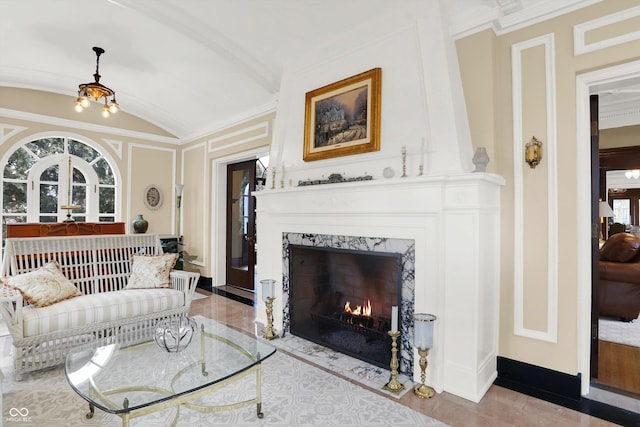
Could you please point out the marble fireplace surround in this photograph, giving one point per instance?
(367, 244)
(448, 224)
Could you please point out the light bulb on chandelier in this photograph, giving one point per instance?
(97, 91)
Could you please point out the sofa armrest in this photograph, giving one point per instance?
(628, 272)
(185, 281)
(11, 303)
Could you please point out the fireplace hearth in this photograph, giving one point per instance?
(343, 299)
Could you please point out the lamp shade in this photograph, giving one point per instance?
(605, 209)
(423, 330)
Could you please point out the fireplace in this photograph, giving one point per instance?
(343, 298)
(321, 272)
(445, 230)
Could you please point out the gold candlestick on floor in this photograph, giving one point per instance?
(422, 390)
(394, 385)
(423, 341)
(268, 332)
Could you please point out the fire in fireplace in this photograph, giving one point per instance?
(343, 299)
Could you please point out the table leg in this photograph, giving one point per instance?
(259, 390)
(92, 411)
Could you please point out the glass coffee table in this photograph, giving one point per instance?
(141, 379)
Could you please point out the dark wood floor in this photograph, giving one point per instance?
(619, 366)
(500, 407)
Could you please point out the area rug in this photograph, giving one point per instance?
(294, 394)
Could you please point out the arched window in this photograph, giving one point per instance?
(44, 175)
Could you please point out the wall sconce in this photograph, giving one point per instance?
(533, 152)
(179, 188)
(423, 341)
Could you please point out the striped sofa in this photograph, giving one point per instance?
(99, 267)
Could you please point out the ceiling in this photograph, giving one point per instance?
(194, 66)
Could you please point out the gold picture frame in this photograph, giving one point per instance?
(343, 118)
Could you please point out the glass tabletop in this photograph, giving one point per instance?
(119, 379)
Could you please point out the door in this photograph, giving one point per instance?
(241, 255)
(596, 191)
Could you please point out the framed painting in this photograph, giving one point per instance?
(343, 118)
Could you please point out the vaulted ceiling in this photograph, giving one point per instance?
(192, 66)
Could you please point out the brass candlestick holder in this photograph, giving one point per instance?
(273, 179)
(394, 385)
(268, 332)
(421, 170)
(422, 390)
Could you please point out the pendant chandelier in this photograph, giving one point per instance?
(97, 91)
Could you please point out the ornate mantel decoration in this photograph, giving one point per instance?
(334, 178)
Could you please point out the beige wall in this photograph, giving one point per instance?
(140, 153)
(627, 136)
(539, 289)
(144, 154)
(203, 173)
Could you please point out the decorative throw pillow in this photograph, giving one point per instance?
(151, 271)
(44, 286)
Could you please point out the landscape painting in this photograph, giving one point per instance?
(343, 118)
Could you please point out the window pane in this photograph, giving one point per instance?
(46, 146)
(50, 175)
(107, 219)
(107, 198)
(14, 197)
(80, 197)
(621, 211)
(78, 176)
(48, 198)
(80, 218)
(18, 165)
(48, 218)
(83, 151)
(105, 175)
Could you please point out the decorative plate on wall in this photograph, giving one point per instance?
(153, 197)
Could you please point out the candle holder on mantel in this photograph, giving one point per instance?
(268, 292)
(423, 341)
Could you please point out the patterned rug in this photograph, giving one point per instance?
(294, 394)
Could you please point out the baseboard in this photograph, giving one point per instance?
(559, 388)
(205, 283)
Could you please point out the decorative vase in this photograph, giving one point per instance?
(480, 159)
(174, 334)
(140, 224)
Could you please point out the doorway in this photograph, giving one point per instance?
(241, 224)
(586, 85)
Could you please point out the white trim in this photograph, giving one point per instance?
(579, 31)
(584, 83)
(551, 334)
(115, 145)
(262, 125)
(219, 206)
(204, 216)
(40, 118)
(7, 131)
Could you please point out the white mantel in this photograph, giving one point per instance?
(454, 221)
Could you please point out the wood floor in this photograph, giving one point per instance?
(500, 407)
(619, 366)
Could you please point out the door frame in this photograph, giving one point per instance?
(237, 276)
(586, 85)
(218, 209)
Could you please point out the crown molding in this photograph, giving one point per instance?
(56, 121)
